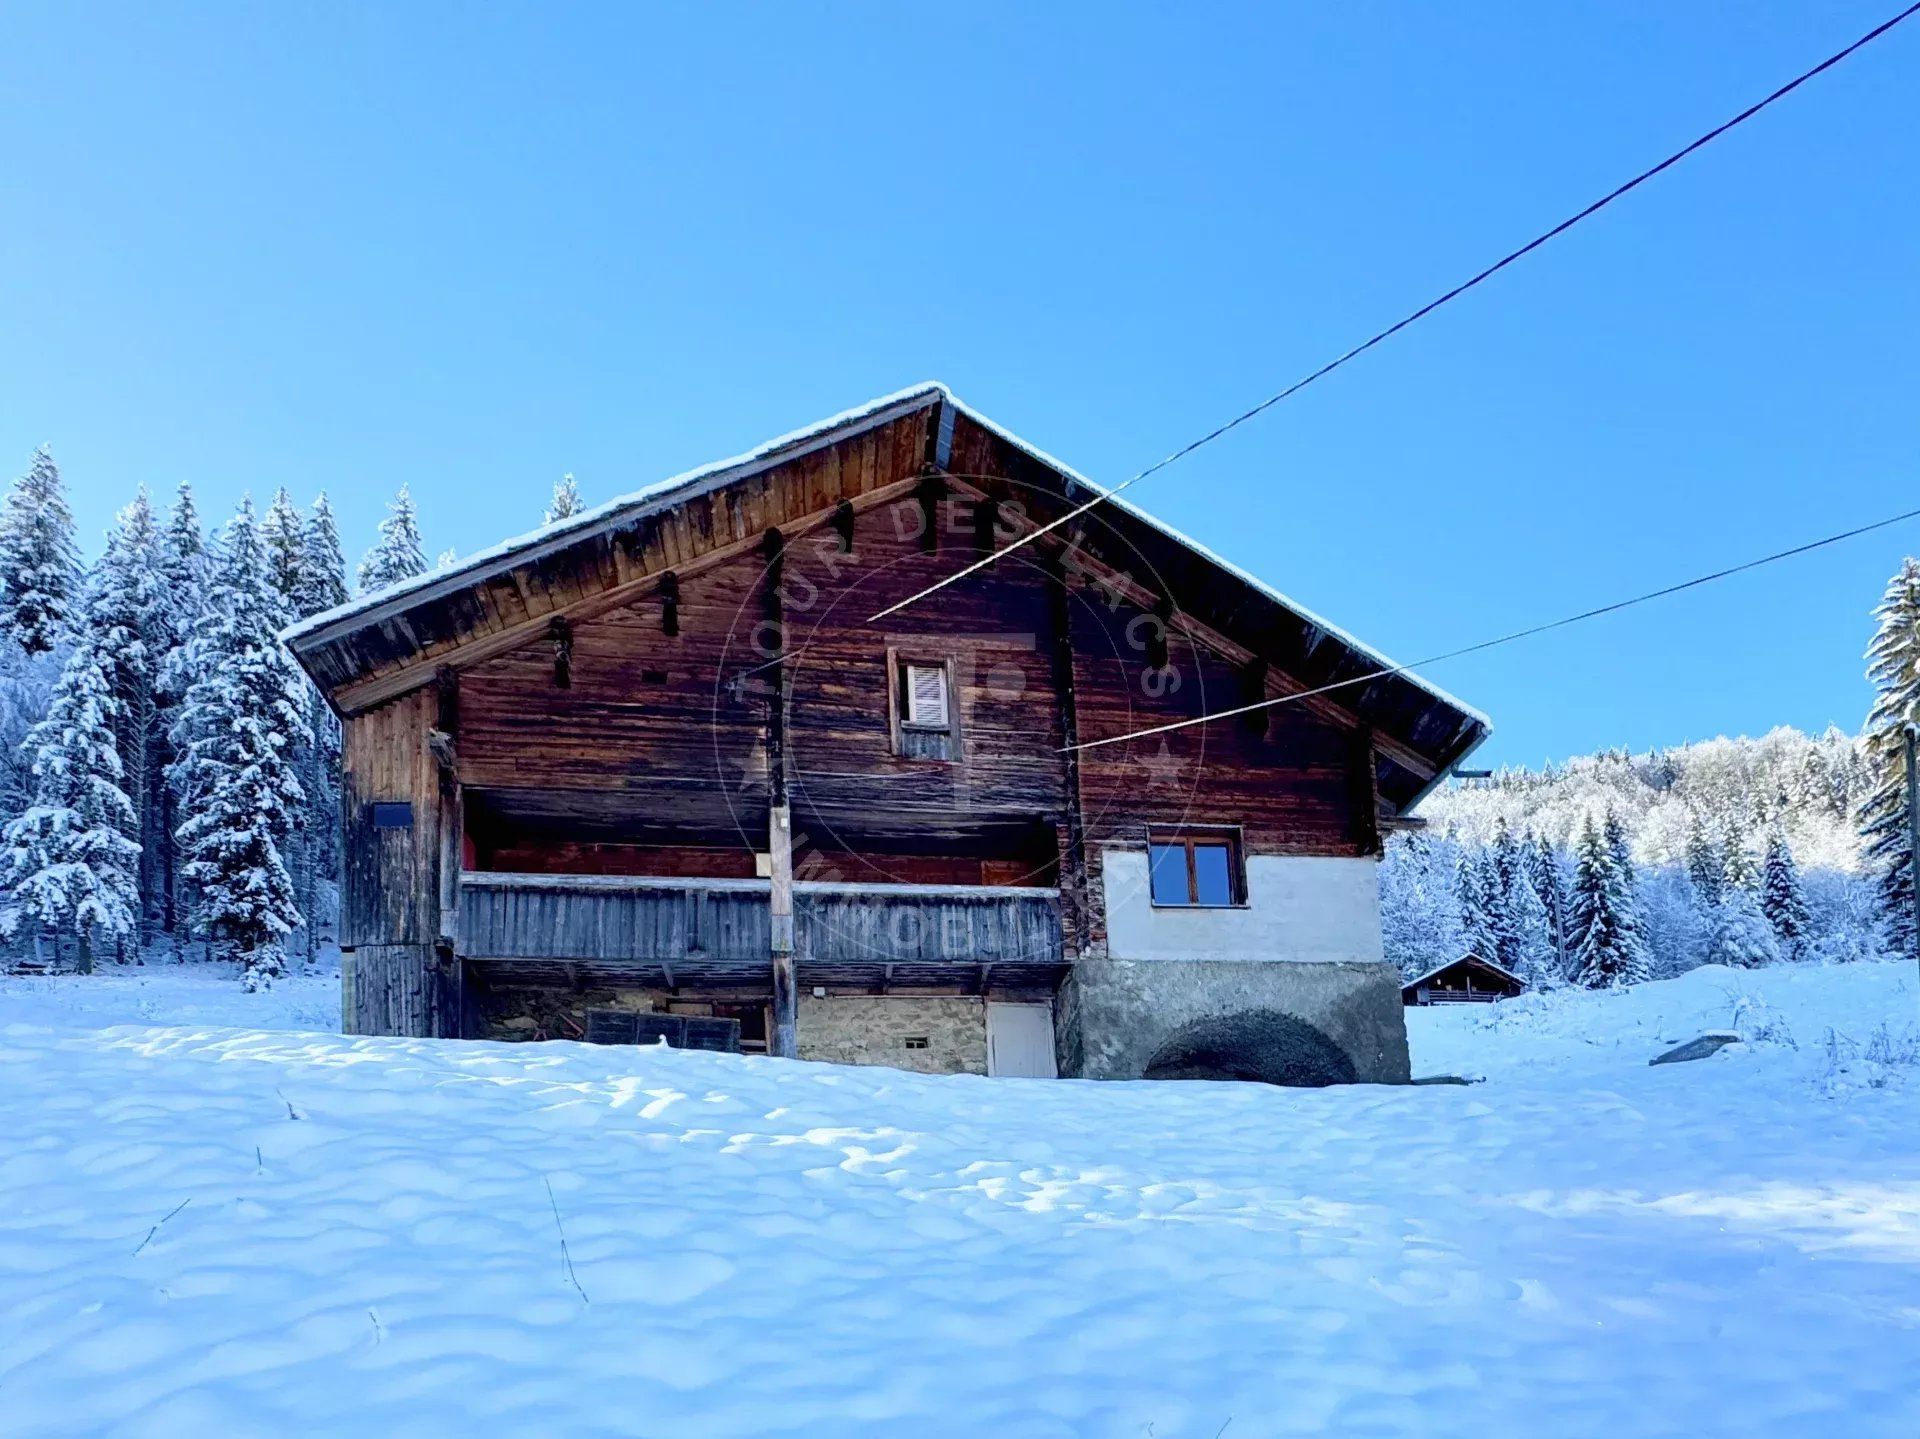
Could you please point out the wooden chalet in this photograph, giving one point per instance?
(651, 772)
(1466, 980)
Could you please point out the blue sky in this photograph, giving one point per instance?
(470, 249)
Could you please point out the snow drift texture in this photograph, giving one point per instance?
(371, 1237)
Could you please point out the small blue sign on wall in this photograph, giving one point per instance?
(393, 814)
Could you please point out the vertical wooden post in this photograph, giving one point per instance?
(1366, 793)
(786, 994)
(1074, 901)
(446, 1004)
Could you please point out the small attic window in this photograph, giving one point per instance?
(925, 693)
(924, 718)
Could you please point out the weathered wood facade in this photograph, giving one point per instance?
(1466, 980)
(662, 743)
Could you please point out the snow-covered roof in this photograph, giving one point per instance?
(561, 533)
(383, 602)
(1473, 958)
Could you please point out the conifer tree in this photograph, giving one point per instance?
(1782, 898)
(1476, 923)
(566, 500)
(283, 540)
(1615, 832)
(183, 563)
(237, 733)
(323, 569)
(1505, 878)
(1549, 884)
(1534, 957)
(1740, 872)
(1419, 911)
(1741, 936)
(128, 618)
(323, 586)
(397, 554)
(1893, 667)
(1706, 861)
(184, 549)
(39, 561)
(281, 536)
(1608, 950)
(70, 863)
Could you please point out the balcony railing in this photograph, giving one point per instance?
(673, 931)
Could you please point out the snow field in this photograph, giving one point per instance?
(371, 1237)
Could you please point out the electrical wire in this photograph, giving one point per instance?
(1427, 309)
(1505, 639)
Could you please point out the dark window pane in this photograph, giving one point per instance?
(1168, 863)
(1213, 873)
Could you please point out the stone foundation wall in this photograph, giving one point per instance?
(862, 1029)
(1283, 1023)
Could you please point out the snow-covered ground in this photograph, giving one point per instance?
(257, 1230)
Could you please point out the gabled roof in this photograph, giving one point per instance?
(1441, 969)
(1441, 728)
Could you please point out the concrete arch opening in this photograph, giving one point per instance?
(1260, 1046)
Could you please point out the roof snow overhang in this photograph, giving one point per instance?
(1441, 969)
(395, 639)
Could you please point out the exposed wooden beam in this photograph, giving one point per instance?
(1198, 632)
(365, 694)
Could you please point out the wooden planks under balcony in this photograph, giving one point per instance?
(688, 933)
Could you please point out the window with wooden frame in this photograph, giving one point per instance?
(1196, 868)
(924, 717)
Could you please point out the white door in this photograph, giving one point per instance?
(1020, 1041)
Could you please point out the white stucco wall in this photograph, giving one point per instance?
(1299, 907)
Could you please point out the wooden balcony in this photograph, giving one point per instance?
(685, 933)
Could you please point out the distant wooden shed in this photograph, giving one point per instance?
(1466, 980)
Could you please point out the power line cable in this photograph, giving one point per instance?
(1506, 639)
(1427, 309)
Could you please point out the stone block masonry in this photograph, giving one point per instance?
(866, 1029)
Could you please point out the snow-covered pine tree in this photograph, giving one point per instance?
(283, 539)
(1740, 871)
(1535, 958)
(183, 561)
(323, 586)
(397, 554)
(1476, 919)
(1608, 949)
(1550, 885)
(566, 501)
(323, 568)
(1706, 861)
(236, 736)
(69, 864)
(1506, 875)
(1419, 912)
(282, 536)
(1741, 935)
(39, 561)
(1893, 667)
(128, 617)
(1615, 832)
(1782, 898)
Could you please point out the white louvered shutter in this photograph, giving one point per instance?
(927, 696)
